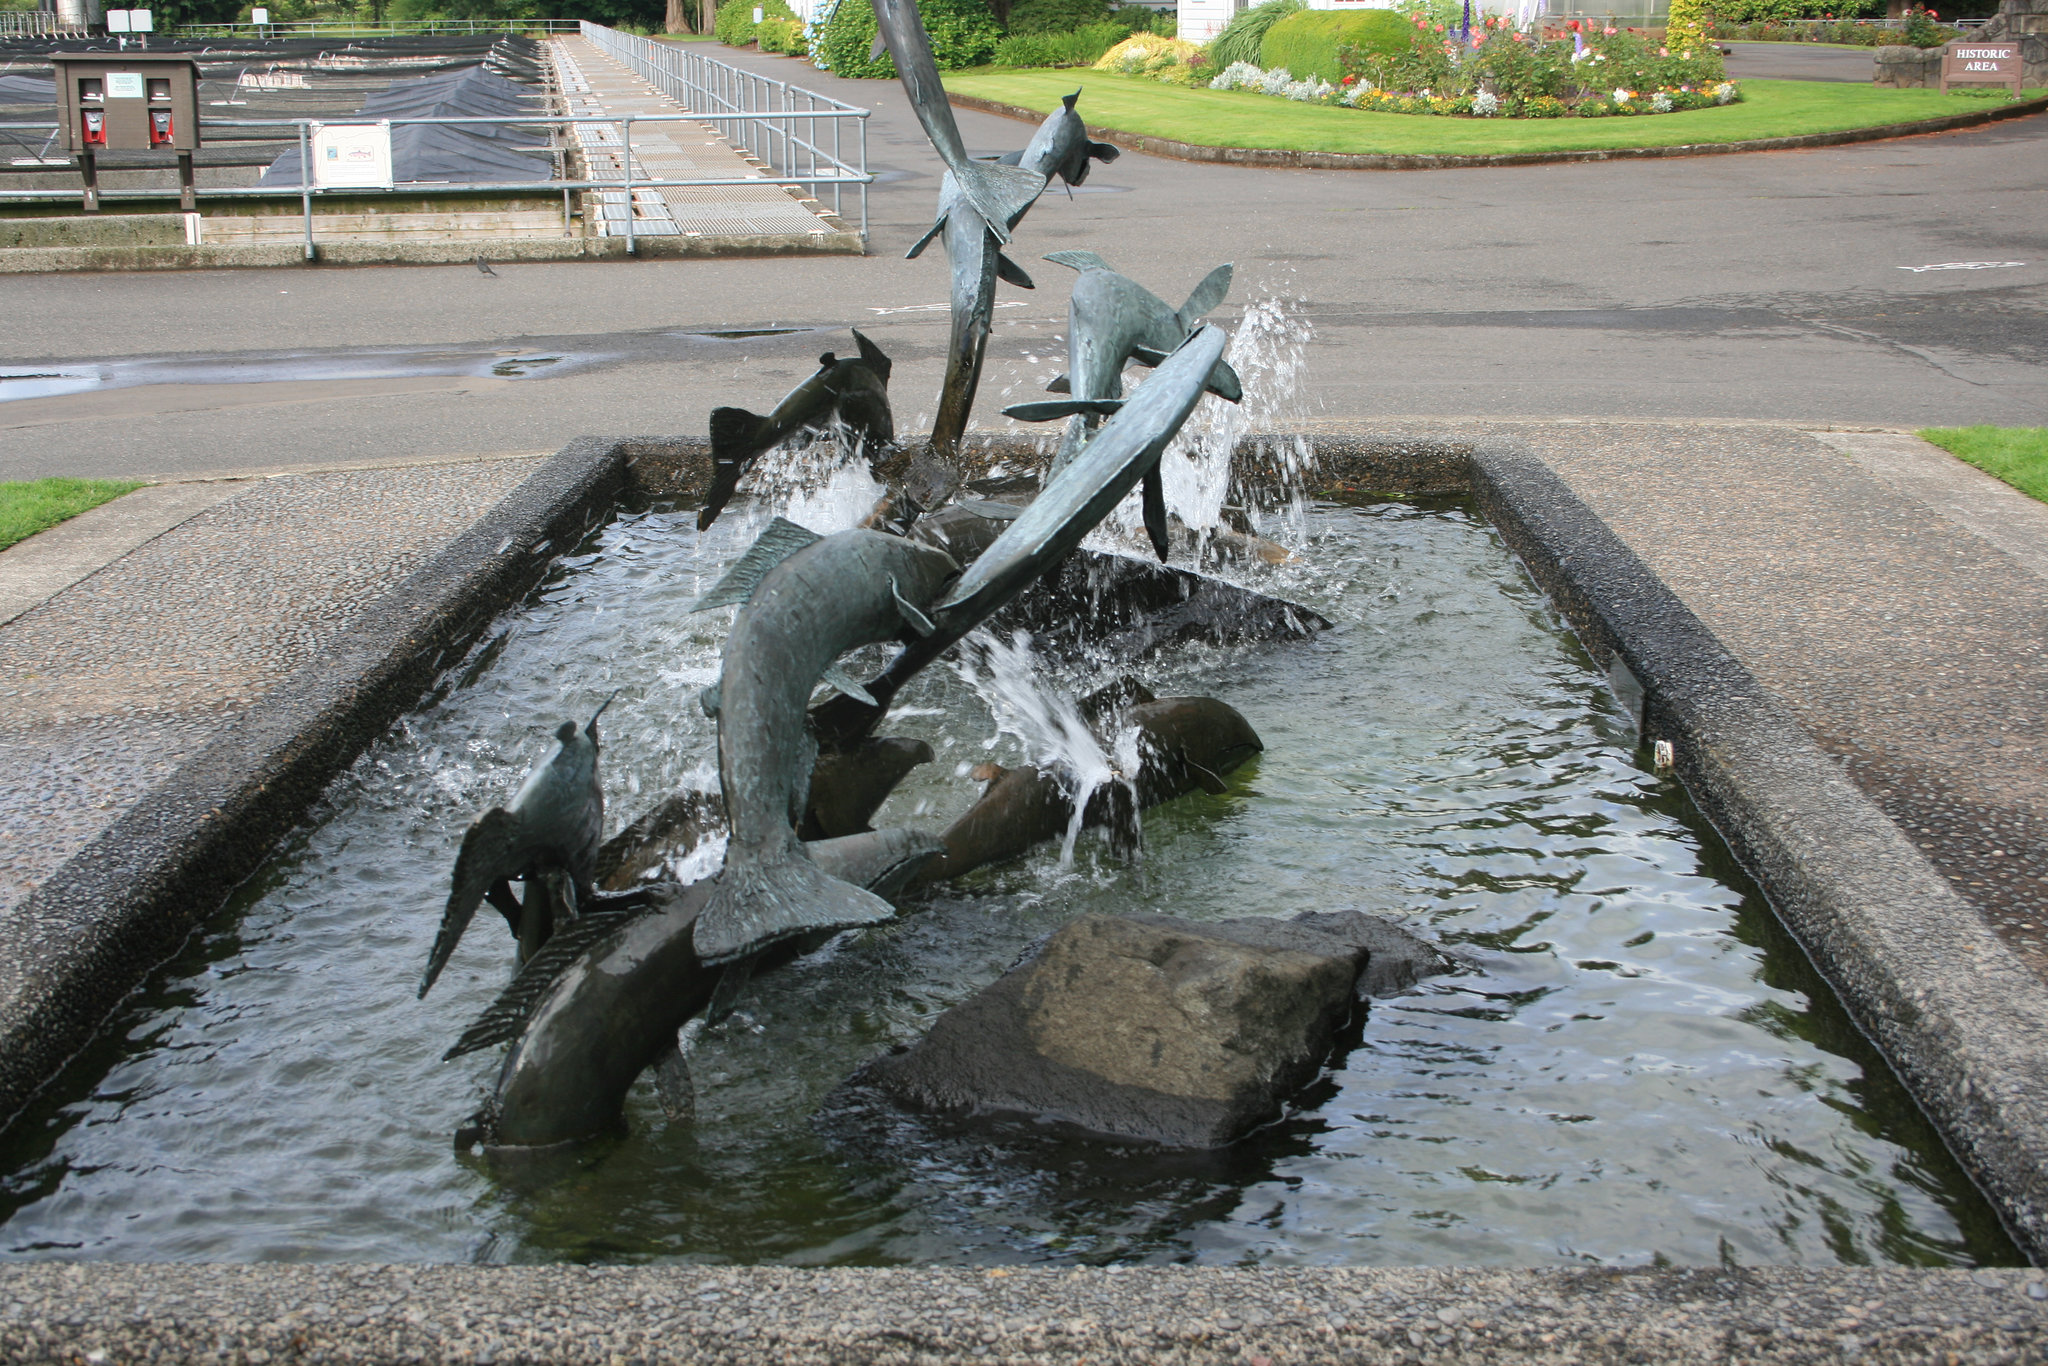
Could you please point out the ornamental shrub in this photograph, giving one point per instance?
(781, 35)
(1307, 43)
(1245, 34)
(1146, 54)
(734, 25)
(1685, 32)
(1083, 47)
(1056, 16)
(962, 32)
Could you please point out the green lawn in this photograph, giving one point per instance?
(2018, 455)
(1237, 118)
(40, 504)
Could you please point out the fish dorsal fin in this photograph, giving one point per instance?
(507, 1016)
(827, 359)
(1078, 260)
(1060, 384)
(839, 680)
(912, 617)
(873, 357)
(1147, 357)
(1014, 273)
(1015, 158)
(1207, 295)
(782, 539)
(1068, 100)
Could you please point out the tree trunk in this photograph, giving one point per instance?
(708, 10)
(678, 18)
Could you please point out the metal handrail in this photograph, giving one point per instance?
(813, 176)
(395, 27)
(748, 109)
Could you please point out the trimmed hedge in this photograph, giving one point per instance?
(1306, 44)
(781, 35)
(734, 25)
(1241, 38)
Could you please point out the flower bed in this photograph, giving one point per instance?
(1497, 70)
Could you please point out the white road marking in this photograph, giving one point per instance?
(1965, 265)
(938, 308)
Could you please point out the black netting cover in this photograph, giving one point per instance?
(462, 154)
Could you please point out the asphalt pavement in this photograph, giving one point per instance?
(1818, 287)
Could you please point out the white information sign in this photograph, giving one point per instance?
(117, 21)
(142, 21)
(352, 155)
(124, 85)
(259, 15)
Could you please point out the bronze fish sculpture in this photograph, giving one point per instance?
(849, 398)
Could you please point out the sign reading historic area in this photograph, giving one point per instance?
(1972, 62)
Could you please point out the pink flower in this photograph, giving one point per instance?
(1610, 30)
(1439, 28)
(1663, 52)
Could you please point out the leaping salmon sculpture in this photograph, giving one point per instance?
(849, 398)
(553, 825)
(1061, 146)
(1112, 321)
(979, 203)
(805, 601)
(1127, 448)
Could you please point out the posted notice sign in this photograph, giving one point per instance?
(1989, 63)
(354, 156)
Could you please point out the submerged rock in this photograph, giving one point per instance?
(1148, 1027)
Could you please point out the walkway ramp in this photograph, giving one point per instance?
(594, 84)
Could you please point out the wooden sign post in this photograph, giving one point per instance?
(1971, 62)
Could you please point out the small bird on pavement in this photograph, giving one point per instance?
(485, 266)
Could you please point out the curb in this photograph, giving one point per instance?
(24, 260)
(98, 925)
(1360, 161)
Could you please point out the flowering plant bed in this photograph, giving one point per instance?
(1496, 70)
(1140, 107)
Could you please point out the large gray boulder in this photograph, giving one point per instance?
(1148, 1027)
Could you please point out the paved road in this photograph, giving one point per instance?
(1748, 287)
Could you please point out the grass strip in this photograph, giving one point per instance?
(2018, 455)
(1238, 118)
(39, 504)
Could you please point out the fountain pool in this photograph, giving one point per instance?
(1636, 1066)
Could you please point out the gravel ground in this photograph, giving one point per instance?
(109, 685)
(119, 1313)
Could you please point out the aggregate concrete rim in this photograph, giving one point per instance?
(110, 1312)
(1361, 161)
(1964, 1023)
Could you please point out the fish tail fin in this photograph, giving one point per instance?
(1000, 194)
(1077, 260)
(758, 904)
(1206, 296)
(735, 438)
(489, 852)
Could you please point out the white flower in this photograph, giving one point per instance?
(1486, 104)
(1661, 102)
(1724, 93)
(1357, 92)
(1276, 81)
(1237, 76)
(1620, 96)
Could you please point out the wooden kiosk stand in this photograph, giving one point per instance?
(128, 102)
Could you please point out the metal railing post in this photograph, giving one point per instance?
(306, 182)
(627, 161)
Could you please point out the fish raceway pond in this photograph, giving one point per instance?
(1634, 1065)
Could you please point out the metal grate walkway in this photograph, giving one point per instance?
(591, 84)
